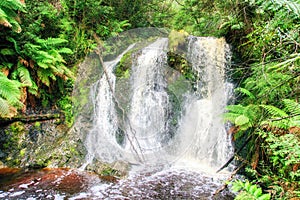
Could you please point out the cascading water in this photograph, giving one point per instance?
(145, 124)
(161, 122)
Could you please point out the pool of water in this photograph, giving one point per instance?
(73, 184)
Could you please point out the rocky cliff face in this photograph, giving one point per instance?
(40, 144)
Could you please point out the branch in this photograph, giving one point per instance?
(29, 118)
(232, 157)
(229, 179)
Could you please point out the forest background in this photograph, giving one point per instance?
(42, 43)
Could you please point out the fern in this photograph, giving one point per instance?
(8, 13)
(243, 116)
(10, 95)
(245, 91)
(290, 6)
(51, 42)
(248, 191)
(47, 56)
(65, 50)
(292, 107)
(4, 107)
(238, 109)
(44, 75)
(24, 75)
(9, 89)
(274, 111)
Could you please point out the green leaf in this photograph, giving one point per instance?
(257, 192)
(7, 52)
(264, 197)
(241, 120)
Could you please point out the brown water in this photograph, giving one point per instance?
(71, 184)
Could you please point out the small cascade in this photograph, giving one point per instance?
(202, 133)
(148, 113)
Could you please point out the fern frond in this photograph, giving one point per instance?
(57, 70)
(65, 50)
(51, 42)
(8, 14)
(16, 46)
(4, 107)
(238, 109)
(7, 52)
(10, 89)
(24, 75)
(68, 72)
(57, 57)
(44, 57)
(33, 89)
(292, 107)
(291, 5)
(230, 117)
(12, 4)
(282, 124)
(245, 91)
(43, 75)
(274, 111)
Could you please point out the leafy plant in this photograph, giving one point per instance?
(10, 96)
(8, 14)
(248, 191)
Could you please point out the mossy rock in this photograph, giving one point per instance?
(122, 70)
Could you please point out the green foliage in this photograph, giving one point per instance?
(10, 95)
(8, 14)
(248, 191)
(244, 117)
(65, 104)
(284, 154)
(46, 54)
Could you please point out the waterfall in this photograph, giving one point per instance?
(144, 120)
(202, 133)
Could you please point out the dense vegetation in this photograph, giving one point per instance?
(42, 41)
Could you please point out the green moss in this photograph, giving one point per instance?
(179, 63)
(122, 70)
(177, 39)
(22, 152)
(108, 171)
(37, 124)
